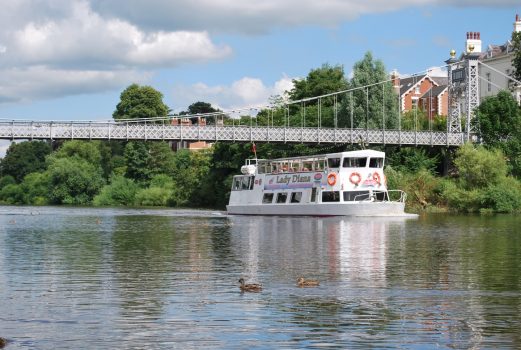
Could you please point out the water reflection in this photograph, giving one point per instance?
(158, 279)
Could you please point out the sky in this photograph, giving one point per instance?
(71, 59)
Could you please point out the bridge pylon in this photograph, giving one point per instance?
(463, 79)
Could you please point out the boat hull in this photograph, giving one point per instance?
(321, 209)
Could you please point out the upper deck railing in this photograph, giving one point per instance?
(112, 130)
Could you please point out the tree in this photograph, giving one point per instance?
(478, 167)
(499, 118)
(374, 106)
(73, 180)
(319, 81)
(140, 102)
(24, 158)
(516, 60)
(136, 158)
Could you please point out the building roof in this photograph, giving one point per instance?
(435, 91)
(408, 83)
(494, 51)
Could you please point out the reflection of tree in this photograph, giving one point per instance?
(143, 249)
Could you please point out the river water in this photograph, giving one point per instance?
(161, 279)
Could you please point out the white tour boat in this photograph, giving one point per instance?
(346, 183)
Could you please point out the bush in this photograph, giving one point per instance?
(153, 196)
(478, 167)
(504, 197)
(121, 191)
(12, 194)
(7, 180)
(461, 200)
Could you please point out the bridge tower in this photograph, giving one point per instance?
(463, 76)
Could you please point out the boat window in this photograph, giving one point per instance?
(281, 197)
(380, 195)
(376, 163)
(267, 198)
(237, 184)
(330, 196)
(352, 162)
(319, 165)
(247, 183)
(307, 166)
(350, 196)
(296, 197)
(333, 162)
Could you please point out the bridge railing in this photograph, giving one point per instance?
(30, 130)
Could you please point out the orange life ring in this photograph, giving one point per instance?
(355, 178)
(376, 178)
(331, 179)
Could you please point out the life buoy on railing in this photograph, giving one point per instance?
(376, 178)
(355, 178)
(331, 179)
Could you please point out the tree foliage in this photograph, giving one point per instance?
(73, 180)
(24, 158)
(499, 118)
(478, 167)
(140, 102)
(374, 106)
(319, 81)
(516, 61)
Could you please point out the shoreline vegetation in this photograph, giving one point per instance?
(149, 174)
(482, 178)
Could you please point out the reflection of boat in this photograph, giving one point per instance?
(346, 183)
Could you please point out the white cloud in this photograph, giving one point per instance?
(244, 93)
(254, 17)
(84, 38)
(18, 85)
(62, 47)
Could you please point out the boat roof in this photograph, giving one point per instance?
(359, 153)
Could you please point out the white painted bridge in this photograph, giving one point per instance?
(113, 130)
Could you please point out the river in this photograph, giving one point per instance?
(81, 278)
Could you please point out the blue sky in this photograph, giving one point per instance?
(70, 59)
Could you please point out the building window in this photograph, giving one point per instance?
(414, 103)
(489, 83)
(417, 89)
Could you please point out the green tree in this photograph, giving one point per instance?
(24, 158)
(374, 106)
(478, 167)
(516, 60)
(160, 159)
(136, 159)
(88, 151)
(120, 191)
(140, 102)
(73, 180)
(319, 81)
(191, 170)
(499, 118)
(36, 188)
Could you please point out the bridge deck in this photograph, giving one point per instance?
(34, 130)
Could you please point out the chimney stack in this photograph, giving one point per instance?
(517, 24)
(395, 79)
(473, 43)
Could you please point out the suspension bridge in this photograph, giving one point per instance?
(463, 87)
